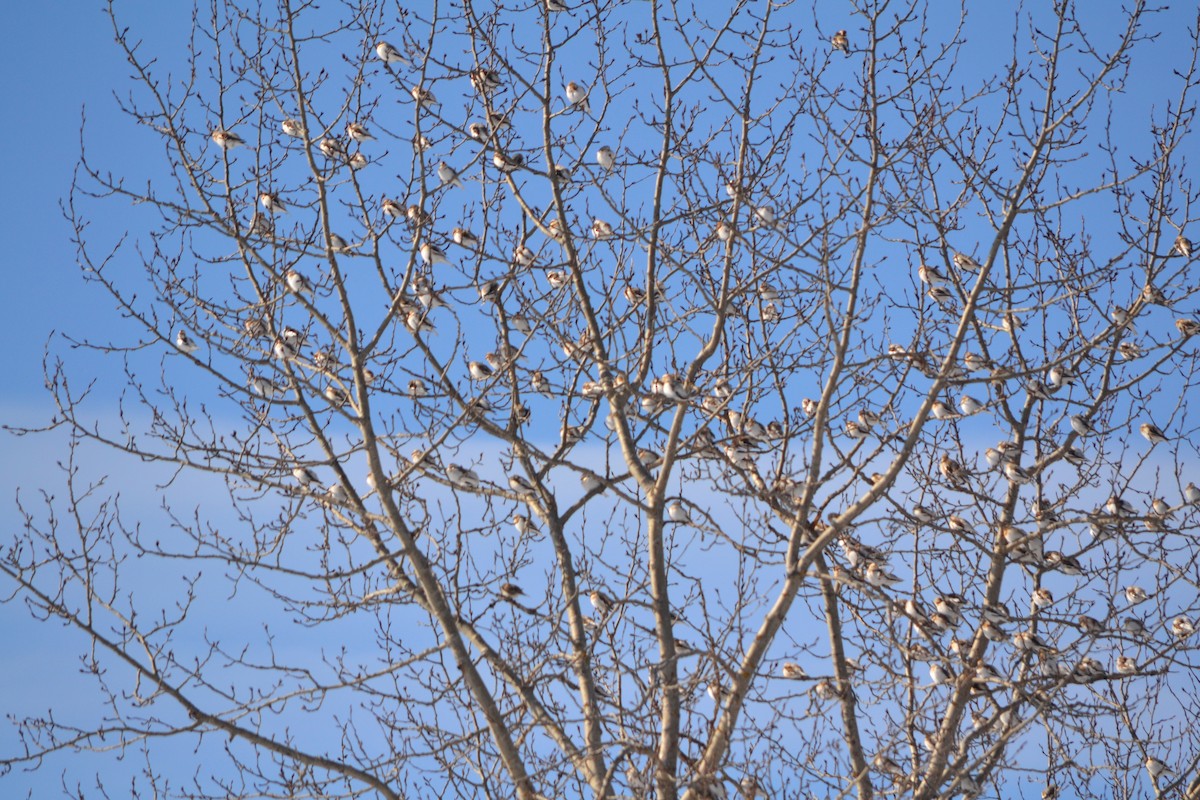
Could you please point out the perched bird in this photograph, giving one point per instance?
(357, 161)
(601, 229)
(333, 148)
(577, 96)
(523, 256)
(942, 411)
(226, 140)
(1126, 665)
(510, 591)
(605, 158)
(484, 80)
(840, 42)
(1153, 433)
(432, 254)
(1135, 595)
(1182, 627)
(448, 176)
(1133, 626)
(1191, 494)
(976, 362)
(969, 405)
(507, 163)
(185, 343)
(793, 671)
(464, 238)
(1041, 598)
(389, 54)
(1082, 425)
(1119, 507)
(423, 97)
(878, 576)
(1067, 565)
(520, 485)
(417, 322)
(677, 512)
(953, 471)
(1016, 473)
(271, 203)
(297, 282)
(966, 262)
(1183, 246)
(264, 387)
(478, 131)
(939, 674)
(1153, 295)
(1089, 625)
(304, 476)
(601, 602)
(523, 524)
(293, 128)
(393, 209)
(1156, 767)
(358, 132)
(1028, 641)
(556, 6)
(1187, 327)
(479, 371)
(854, 430)
(463, 476)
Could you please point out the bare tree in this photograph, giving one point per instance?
(623, 400)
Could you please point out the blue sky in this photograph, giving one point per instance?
(58, 65)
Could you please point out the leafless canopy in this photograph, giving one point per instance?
(637, 399)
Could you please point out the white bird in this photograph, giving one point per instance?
(226, 140)
(293, 128)
(605, 158)
(1155, 767)
(423, 97)
(297, 282)
(432, 254)
(272, 203)
(942, 410)
(304, 476)
(332, 148)
(969, 405)
(358, 132)
(523, 524)
(520, 485)
(463, 476)
(389, 54)
(185, 343)
(1082, 425)
(939, 674)
(601, 602)
(1153, 433)
(678, 513)
(590, 481)
(479, 371)
(1191, 493)
(464, 238)
(1015, 473)
(577, 96)
(965, 262)
(1126, 665)
(417, 321)
(1041, 598)
(448, 176)
(1135, 595)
